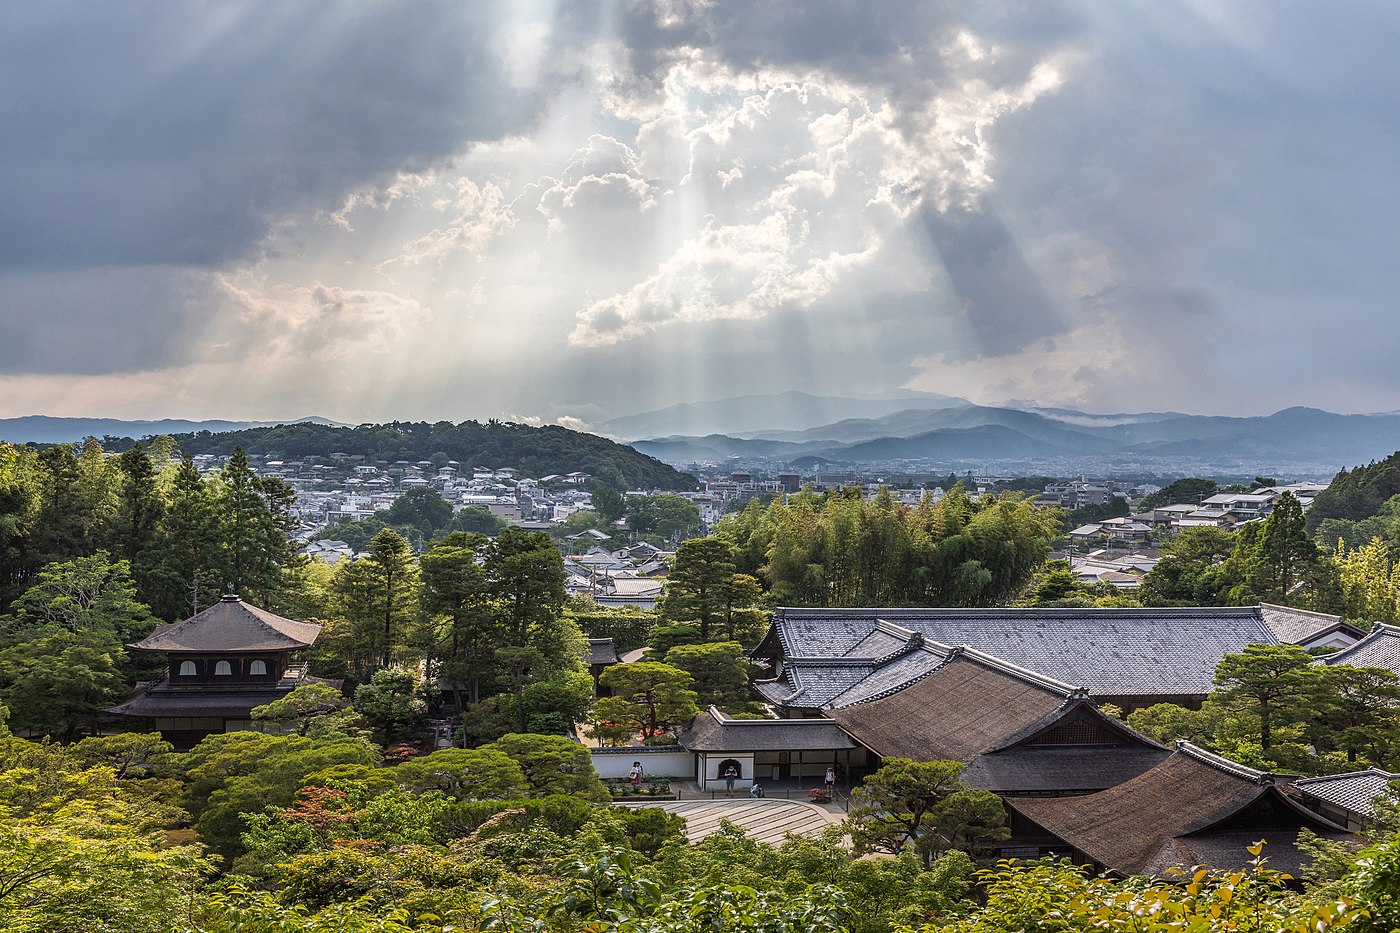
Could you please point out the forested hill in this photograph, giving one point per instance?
(533, 451)
(1359, 493)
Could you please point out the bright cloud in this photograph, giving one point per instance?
(570, 211)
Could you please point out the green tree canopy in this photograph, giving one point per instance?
(923, 806)
(721, 670)
(1270, 683)
(647, 697)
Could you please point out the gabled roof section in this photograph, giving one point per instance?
(1299, 626)
(231, 625)
(1380, 648)
(1194, 807)
(1078, 711)
(1355, 791)
(959, 710)
(601, 651)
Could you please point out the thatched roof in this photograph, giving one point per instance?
(1193, 808)
(231, 625)
(969, 705)
(1017, 732)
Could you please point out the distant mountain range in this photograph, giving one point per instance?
(786, 411)
(43, 429)
(965, 432)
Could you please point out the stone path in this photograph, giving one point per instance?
(766, 820)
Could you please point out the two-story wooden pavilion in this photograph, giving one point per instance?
(224, 661)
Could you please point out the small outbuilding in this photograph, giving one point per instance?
(768, 749)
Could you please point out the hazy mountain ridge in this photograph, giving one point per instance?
(785, 411)
(47, 429)
(972, 432)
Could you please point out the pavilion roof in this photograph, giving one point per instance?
(231, 625)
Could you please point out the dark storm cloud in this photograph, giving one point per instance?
(140, 133)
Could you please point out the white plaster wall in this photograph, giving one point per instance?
(677, 764)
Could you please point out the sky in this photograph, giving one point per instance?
(560, 212)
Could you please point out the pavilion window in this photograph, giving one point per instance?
(258, 668)
(187, 669)
(223, 668)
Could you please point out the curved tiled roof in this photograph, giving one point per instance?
(1111, 652)
(1297, 626)
(231, 625)
(1355, 791)
(712, 731)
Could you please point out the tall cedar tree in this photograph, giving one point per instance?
(182, 571)
(139, 506)
(697, 588)
(461, 629)
(256, 518)
(526, 575)
(379, 594)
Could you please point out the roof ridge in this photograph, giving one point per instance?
(1070, 691)
(1302, 612)
(1047, 721)
(1221, 763)
(887, 613)
(1373, 770)
(948, 655)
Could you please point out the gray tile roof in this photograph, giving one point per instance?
(1297, 626)
(1111, 652)
(231, 625)
(901, 672)
(601, 651)
(1355, 791)
(712, 731)
(1380, 648)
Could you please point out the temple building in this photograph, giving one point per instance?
(818, 660)
(1195, 808)
(224, 661)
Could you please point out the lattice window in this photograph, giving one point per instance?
(1075, 733)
